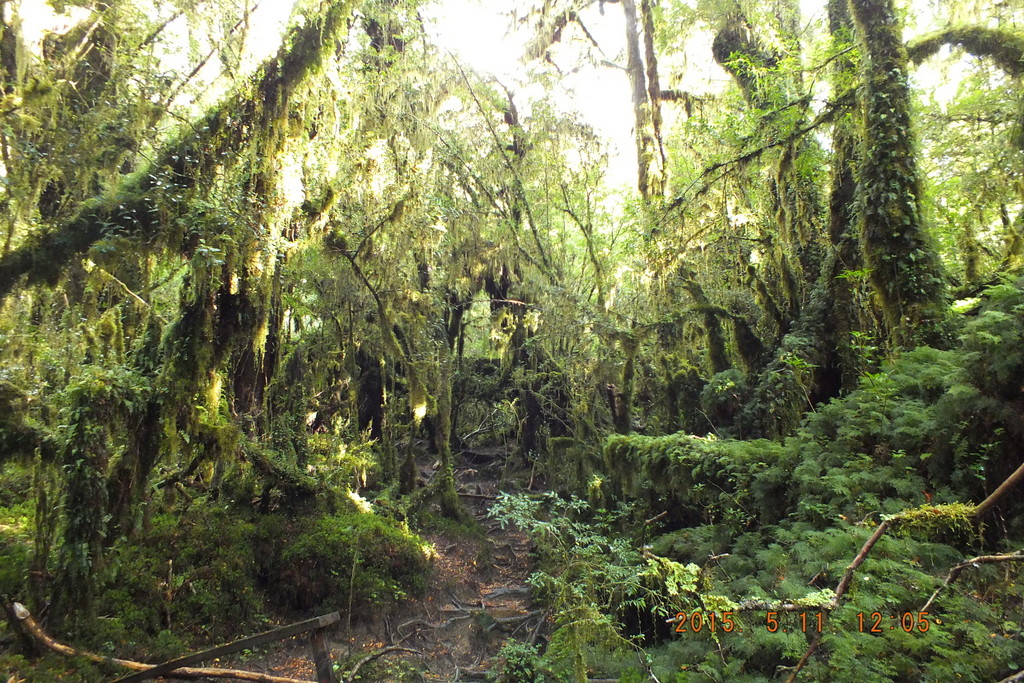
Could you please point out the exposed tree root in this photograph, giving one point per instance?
(351, 676)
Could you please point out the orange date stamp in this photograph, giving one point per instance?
(699, 621)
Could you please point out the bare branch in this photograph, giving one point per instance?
(955, 572)
(45, 639)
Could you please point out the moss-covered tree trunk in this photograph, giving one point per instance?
(905, 269)
(446, 495)
(846, 258)
(650, 159)
(792, 199)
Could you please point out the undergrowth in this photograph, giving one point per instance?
(752, 537)
(212, 573)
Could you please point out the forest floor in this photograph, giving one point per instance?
(476, 599)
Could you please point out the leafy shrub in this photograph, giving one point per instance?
(14, 547)
(723, 398)
(357, 557)
(193, 574)
(520, 662)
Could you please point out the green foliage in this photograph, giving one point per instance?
(519, 662)
(699, 478)
(96, 403)
(215, 573)
(353, 248)
(349, 559)
(784, 519)
(194, 575)
(15, 544)
(723, 397)
(54, 668)
(594, 577)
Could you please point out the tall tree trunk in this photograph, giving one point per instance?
(842, 228)
(792, 201)
(653, 83)
(905, 269)
(650, 163)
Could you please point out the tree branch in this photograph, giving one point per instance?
(1005, 48)
(826, 116)
(844, 584)
(45, 639)
(351, 676)
(955, 572)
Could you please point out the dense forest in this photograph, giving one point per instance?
(293, 310)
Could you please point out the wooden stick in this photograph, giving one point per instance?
(844, 585)
(954, 573)
(25, 617)
(655, 518)
(1010, 482)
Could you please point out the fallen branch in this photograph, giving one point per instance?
(519, 618)
(844, 585)
(482, 496)
(955, 572)
(536, 629)
(427, 624)
(36, 631)
(1014, 678)
(507, 590)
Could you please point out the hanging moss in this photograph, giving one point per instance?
(748, 344)
(737, 49)
(685, 386)
(712, 315)
(134, 208)
(20, 431)
(98, 401)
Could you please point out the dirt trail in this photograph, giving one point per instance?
(477, 598)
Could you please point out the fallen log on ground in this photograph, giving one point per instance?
(37, 633)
